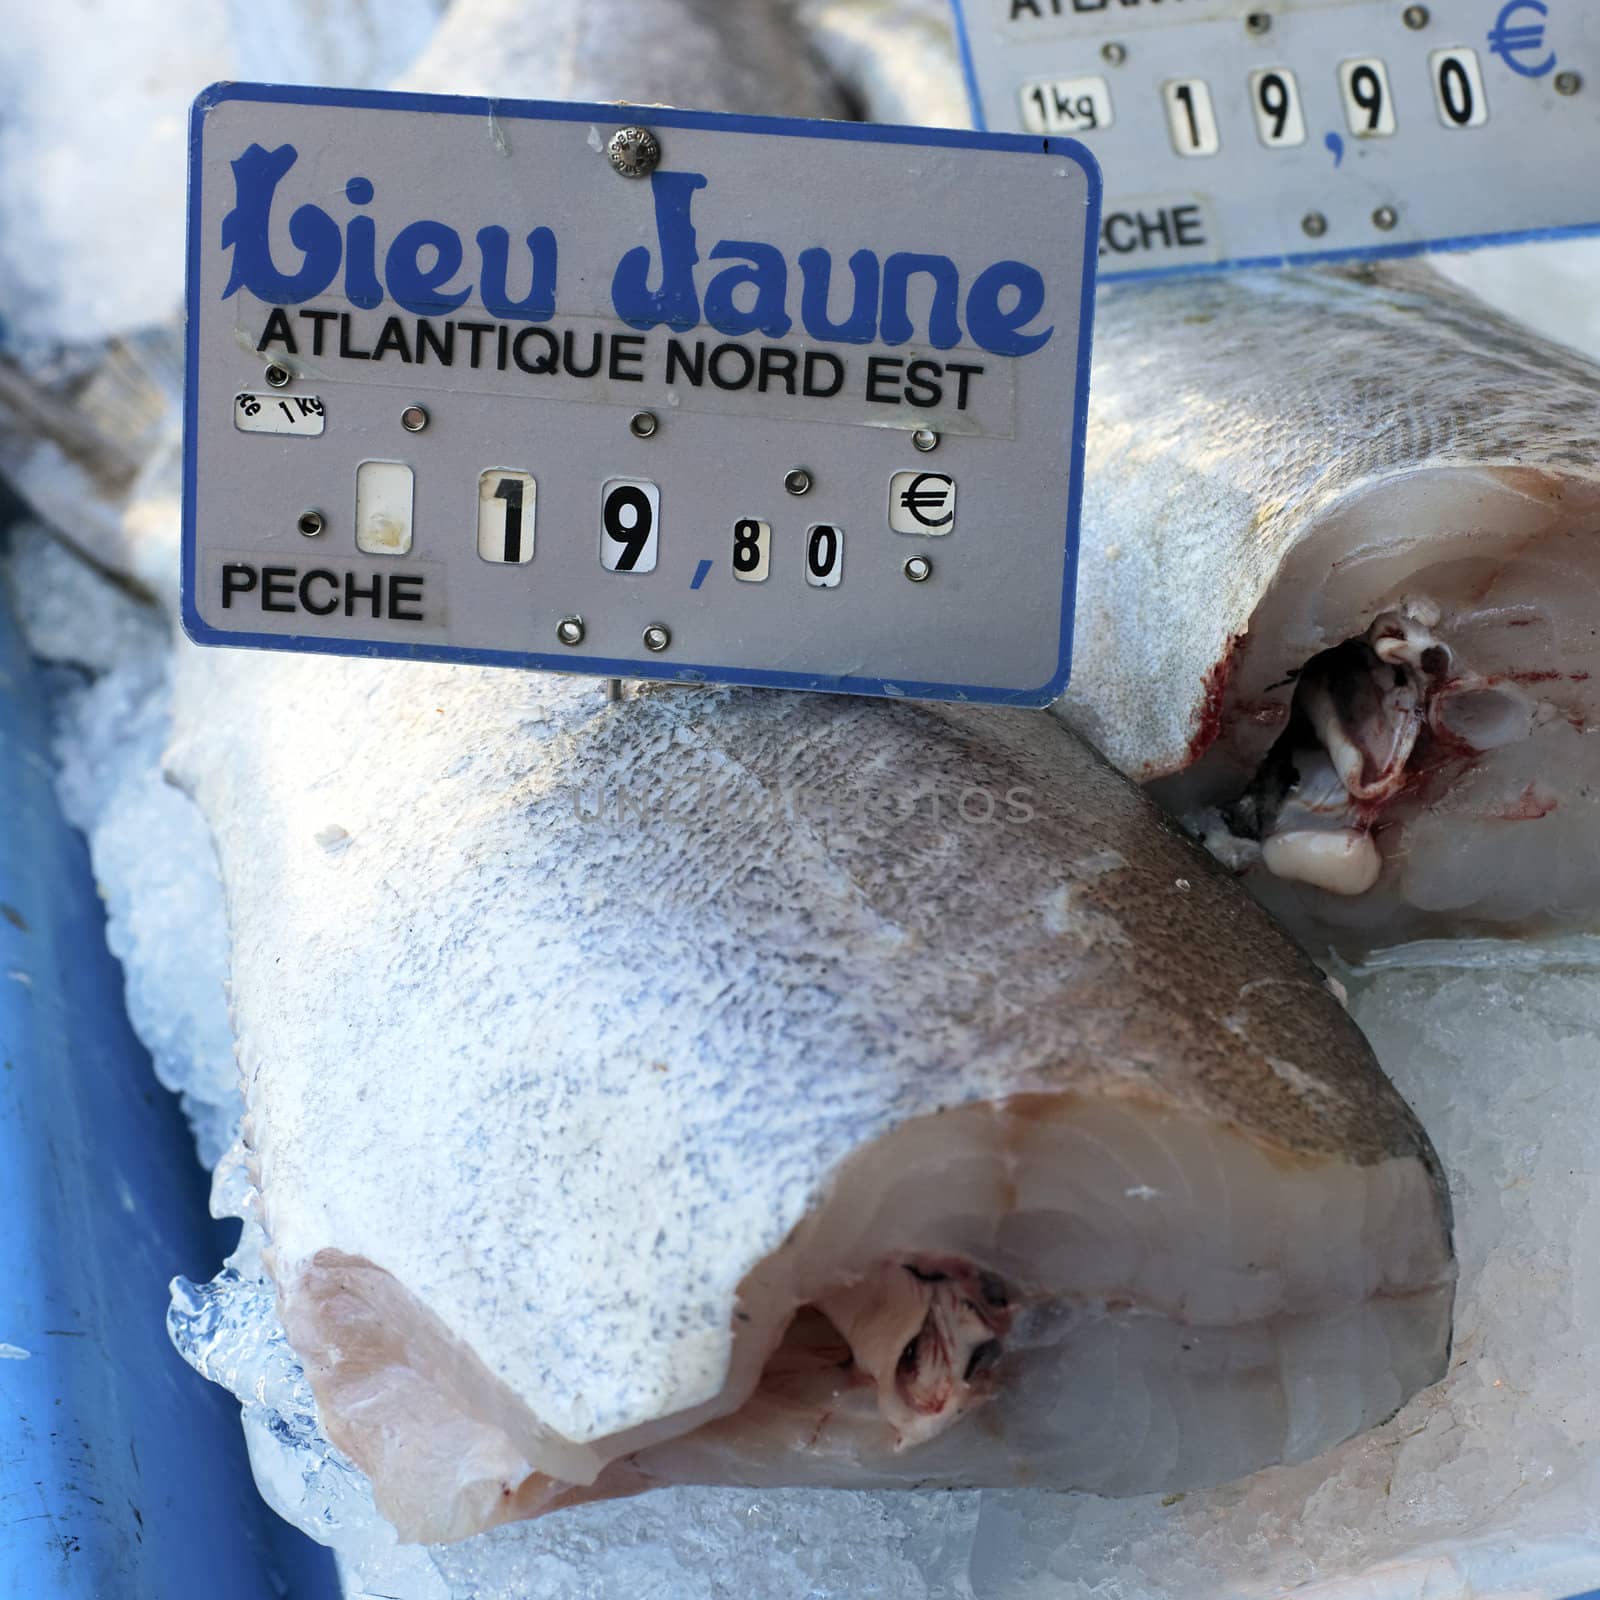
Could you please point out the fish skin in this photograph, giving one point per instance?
(1229, 413)
(571, 1083)
(698, 54)
(895, 58)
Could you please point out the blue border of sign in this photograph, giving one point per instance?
(573, 111)
(1298, 258)
(969, 67)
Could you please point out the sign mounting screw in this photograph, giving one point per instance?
(656, 637)
(634, 152)
(1415, 17)
(1257, 22)
(1313, 224)
(1113, 54)
(310, 523)
(278, 376)
(925, 439)
(642, 424)
(919, 569)
(1568, 82)
(1385, 218)
(569, 630)
(414, 419)
(797, 480)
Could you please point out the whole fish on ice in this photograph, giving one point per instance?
(1340, 580)
(1339, 573)
(757, 1088)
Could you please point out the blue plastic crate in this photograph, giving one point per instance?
(123, 1475)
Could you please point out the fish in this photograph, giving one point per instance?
(718, 1086)
(732, 1086)
(894, 60)
(699, 54)
(1337, 593)
(1337, 574)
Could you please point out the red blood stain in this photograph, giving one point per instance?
(1438, 759)
(1529, 808)
(816, 1432)
(1208, 724)
(1266, 713)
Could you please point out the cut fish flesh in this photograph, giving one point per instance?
(765, 1089)
(1339, 591)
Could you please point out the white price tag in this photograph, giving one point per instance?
(1276, 97)
(1458, 88)
(752, 550)
(384, 494)
(922, 502)
(824, 555)
(1190, 118)
(606, 411)
(1262, 132)
(1368, 104)
(630, 517)
(507, 501)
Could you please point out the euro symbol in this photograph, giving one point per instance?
(1510, 41)
(916, 497)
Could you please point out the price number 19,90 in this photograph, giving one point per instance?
(1275, 100)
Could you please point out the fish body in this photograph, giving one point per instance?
(1287, 476)
(895, 60)
(725, 1086)
(698, 54)
(1284, 470)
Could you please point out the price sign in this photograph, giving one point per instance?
(658, 394)
(1262, 132)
